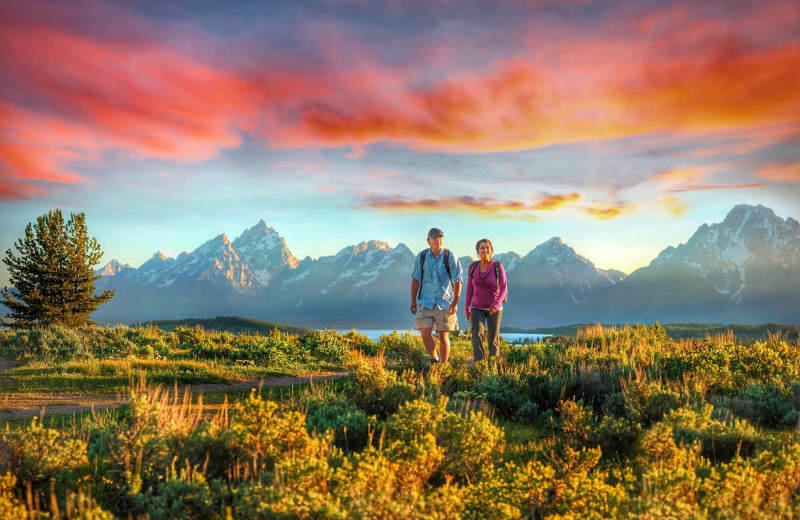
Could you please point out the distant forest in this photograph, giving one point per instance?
(234, 324)
(742, 332)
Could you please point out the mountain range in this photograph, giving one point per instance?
(745, 269)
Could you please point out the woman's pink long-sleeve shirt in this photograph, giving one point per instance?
(482, 291)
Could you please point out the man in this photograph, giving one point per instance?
(435, 289)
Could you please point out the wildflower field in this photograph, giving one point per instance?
(618, 422)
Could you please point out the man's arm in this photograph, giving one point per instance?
(456, 296)
(414, 292)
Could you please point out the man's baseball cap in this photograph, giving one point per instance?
(435, 232)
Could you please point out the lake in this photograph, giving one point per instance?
(510, 337)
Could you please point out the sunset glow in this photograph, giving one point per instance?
(337, 121)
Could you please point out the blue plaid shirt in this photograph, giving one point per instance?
(436, 287)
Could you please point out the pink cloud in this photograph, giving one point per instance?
(783, 172)
(674, 72)
(702, 187)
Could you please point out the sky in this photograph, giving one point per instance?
(620, 126)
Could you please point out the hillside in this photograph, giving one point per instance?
(234, 324)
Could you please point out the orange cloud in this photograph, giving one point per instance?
(670, 74)
(466, 204)
(598, 89)
(673, 205)
(786, 172)
(608, 211)
(551, 202)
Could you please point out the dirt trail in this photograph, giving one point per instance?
(21, 406)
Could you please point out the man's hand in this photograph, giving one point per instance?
(492, 310)
(453, 307)
(413, 307)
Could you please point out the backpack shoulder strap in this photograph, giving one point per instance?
(422, 256)
(472, 267)
(497, 273)
(447, 263)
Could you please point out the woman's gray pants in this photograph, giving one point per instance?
(478, 318)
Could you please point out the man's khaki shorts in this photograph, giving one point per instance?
(444, 322)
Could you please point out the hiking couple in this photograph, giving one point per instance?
(436, 288)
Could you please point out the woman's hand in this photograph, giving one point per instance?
(469, 318)
(492, 310)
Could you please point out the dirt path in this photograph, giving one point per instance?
(7, 363)
(21, 406)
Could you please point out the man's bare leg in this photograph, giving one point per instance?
(429, 342)
(444, 346)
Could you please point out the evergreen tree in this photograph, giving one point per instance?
(52, 274)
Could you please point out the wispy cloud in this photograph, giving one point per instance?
(673, 205)
(785, 172)
(608, 210)
(382, 174)
(702, 187)
(466, 204)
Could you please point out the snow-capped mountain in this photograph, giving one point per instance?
(112, 268)
(744, 269)
(265, 251)
(550, 283)
(749, 238)
(368, 282)
(216, 278)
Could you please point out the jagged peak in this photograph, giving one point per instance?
(159, 255)
(550, 245)
(260, 229)
(741, 212)
(401, 248)
(366, 246)
(112, 267)
(217, 241)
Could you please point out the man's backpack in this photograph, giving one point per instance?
(474, 265)
(422, 267)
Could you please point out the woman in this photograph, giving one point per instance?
(486, 290)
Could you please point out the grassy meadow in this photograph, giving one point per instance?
(615, 422)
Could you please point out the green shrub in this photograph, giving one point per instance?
(361, 342)
(375, 389)
(649, 401)
(577, 422)
(721, 441)
(39, 454)
(405, 351)
(469, 441)
(616, 437)
(773, 406)
(351, 426)
(185, 496)
(10, 507)
(327, 345)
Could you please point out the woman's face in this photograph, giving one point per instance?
(485, 251)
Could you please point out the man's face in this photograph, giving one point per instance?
(436, 242)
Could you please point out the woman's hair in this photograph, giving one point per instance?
(481, 241)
